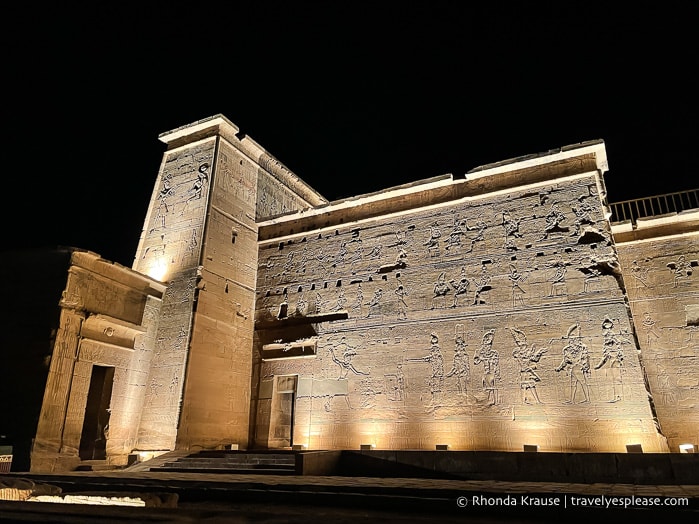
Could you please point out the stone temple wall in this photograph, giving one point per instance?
(662, 282)
(485, 322)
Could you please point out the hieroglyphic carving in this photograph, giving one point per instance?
(358, 301)
(576, 362)
(527, 356)
(480, 228)
(490, 358)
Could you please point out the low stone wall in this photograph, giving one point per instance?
(625, 468)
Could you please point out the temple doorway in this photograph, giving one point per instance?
(93, 440)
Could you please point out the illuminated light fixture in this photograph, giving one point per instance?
(366, 447)
(687, 448)
(298, 447)
(233, 447)
(634, 448)
(442, 447)
(532, 448)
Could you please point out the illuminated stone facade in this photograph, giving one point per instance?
(485, 312)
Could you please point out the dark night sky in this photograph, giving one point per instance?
(352, 96)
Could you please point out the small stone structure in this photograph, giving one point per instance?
(484, 312)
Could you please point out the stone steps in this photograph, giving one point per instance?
(232, 462)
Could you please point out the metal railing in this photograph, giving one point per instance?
(653, 206)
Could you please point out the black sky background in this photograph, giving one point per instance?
(353, 97)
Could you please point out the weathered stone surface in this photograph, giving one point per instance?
(485, 312)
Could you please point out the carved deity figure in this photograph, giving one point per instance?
(460, 367)
(558, 280)
(612, 356)
(434, 357)
(454, 239)
(432, 242)
(490, 358)
(583, 215)
(440, 290)
(461, 287)
(527, 357)
(482, 285)
(576, 362)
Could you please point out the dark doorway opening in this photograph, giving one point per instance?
(93, 441)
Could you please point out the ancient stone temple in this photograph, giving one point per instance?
(489, 311)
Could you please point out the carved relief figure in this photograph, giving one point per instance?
(432, 243)
(640, 274)
(511, 227)
(341, 301)
(576, 361)
(454, 239)
(319, 303)
(517, 280)
(344, 361)
(681, 270)
(482, 285)
(395, 385)
(375, 302)
(302, 304)
(436, 380)
(613, 356)
(461, 287)
(202, 179)
(358, 301)
(527, 357)
(583, 215)
(554, 218)
(490, 358)
(558, 280)
(480, 234)
(440, 290)
(460, 367)
(649, 326)
(402, 306)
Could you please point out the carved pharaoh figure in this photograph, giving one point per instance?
(527, 357)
